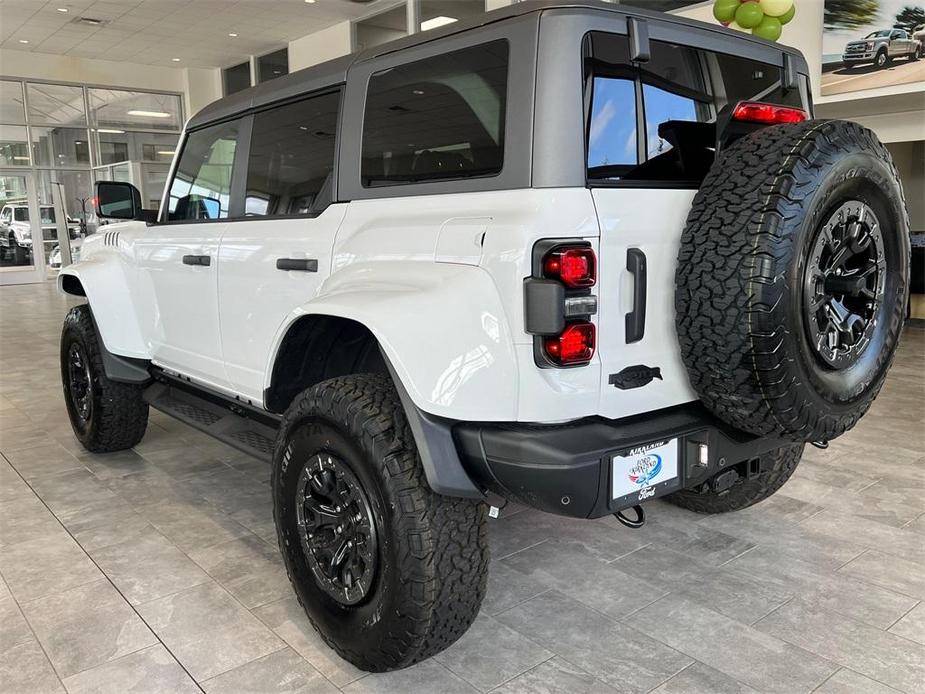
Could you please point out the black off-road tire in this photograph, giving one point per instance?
(739, 301)
(778, 465)
(118, 413)
(432, 550)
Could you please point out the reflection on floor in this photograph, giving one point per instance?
(157, 570)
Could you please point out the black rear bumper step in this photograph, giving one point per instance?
(240, 426)
(565, 469)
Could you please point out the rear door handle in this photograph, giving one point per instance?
(203, 260)
(298, 264)
(636, 319)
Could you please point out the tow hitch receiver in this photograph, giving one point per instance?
(636, 523)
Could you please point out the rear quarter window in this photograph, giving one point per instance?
(436, 119)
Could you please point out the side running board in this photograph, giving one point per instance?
(245, 428)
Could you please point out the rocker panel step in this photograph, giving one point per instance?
(213, 415)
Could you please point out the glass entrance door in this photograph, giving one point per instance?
(22, 253)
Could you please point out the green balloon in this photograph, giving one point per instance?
(788, 15)
(725, 10)
(769, 28)
(749, 15)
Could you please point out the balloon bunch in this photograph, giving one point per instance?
(763, 18)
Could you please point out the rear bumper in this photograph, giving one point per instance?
(566, 469)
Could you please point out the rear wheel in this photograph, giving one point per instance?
(105, 415)
(389, 572)
(735, 489)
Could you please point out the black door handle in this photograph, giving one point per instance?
(636, 319)
(298, 264)
(203, 260)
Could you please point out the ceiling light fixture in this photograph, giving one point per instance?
(63, 9)
(24, 40)
(166, 152)
(111, 131)
(149, 114)
(176, 60)
(233, 35)
(310, 2)
(20, 158)
(436, 22)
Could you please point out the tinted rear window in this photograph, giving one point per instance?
(681, 91)
(438, 118)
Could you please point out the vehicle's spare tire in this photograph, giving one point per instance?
(793, 279)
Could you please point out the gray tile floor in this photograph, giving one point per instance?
(157, 570)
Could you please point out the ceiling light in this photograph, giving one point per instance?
(310, 2)
(24, 40)
(233, 35)
(111, 131)
(436, 22)
(63, 9)
(176, 60)
(149, 114)
(166, 152)
(21, 158)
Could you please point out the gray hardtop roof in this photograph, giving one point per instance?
(334, 72)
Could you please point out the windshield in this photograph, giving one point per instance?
(883, 33)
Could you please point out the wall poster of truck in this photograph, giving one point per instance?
(868, 44)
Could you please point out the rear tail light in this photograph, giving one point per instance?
(768, 114)
(575, 267)
(573, 346)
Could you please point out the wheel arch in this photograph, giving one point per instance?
(295, 369)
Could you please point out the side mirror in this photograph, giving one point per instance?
(117, 200)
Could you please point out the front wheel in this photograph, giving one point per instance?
(105, 415)
(735, 489)
(389, 572)
(882, 59)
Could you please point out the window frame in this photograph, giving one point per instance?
(238, 188)
(244, 131)
(337, 89)
(502, 134)
(516, 167)
(659, 34)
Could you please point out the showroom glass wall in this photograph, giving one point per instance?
(67, 136)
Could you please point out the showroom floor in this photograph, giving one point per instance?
(157, 569)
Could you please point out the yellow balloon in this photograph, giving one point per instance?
(775, 8)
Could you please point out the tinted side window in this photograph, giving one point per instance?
(201, 187)
(291, 160)
(438, 118)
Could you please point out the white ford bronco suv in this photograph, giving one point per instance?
(570, 254)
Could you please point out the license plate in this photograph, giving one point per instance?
(640, 471)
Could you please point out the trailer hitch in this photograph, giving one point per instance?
(634, 523)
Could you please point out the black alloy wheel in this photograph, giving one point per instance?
(336, 528)
(843, 284)
(80, 383)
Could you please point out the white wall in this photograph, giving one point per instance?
(326, 44)
(910, 162)
(198, 85)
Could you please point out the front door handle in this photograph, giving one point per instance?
(298, 264)
(202, 260)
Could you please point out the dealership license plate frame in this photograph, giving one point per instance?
(625, 493)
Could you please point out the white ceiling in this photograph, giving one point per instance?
(154, 32)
